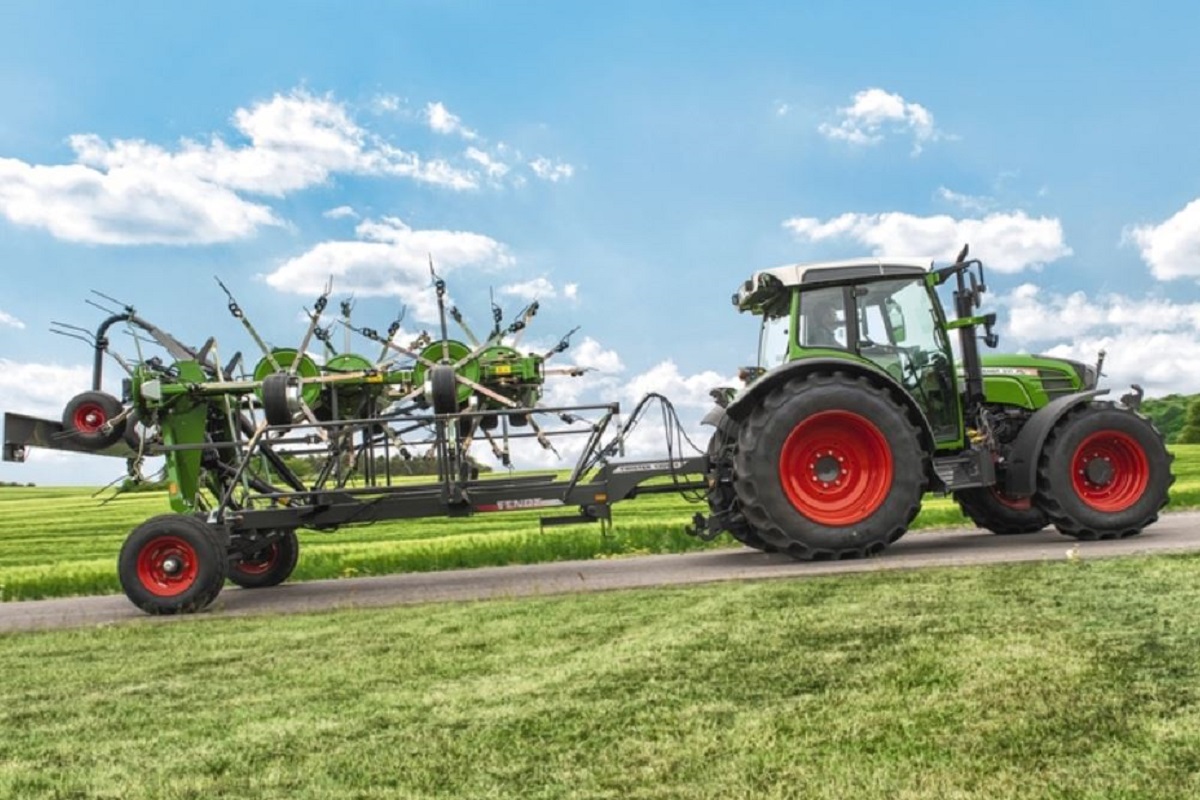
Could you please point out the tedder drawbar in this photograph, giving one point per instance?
(857, 407)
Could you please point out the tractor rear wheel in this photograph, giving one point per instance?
(86, 415)
(270, 566)
(722, 498)
(993, 510)
(1104, 473)
(171, 564)
(829, 466)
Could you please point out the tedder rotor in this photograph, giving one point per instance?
(320, 440)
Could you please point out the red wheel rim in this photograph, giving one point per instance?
(836, 468)
(167, 566)
(262, 561)
(89, 418)
(1110, 471)
(1008, 501)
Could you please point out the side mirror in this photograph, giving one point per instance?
(990, 337)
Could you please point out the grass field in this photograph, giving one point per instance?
(57, 542)
(1072, 679)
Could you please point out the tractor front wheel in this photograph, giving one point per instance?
(172, 564)
(268, 566)
(1104, 473)
(993, 510)
(829, 466)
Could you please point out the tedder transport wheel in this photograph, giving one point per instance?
(1103, 473)
(721, 495)
(993, 510)
(171, 564)
(86, 415)
(268, 567)
(829, 466)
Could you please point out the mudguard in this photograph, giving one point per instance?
(741, 407)
(1021, 478)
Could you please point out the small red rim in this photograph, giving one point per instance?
(262, 561)
(1110, 471)
(167, 566)
(836, 468)
(89, 418)
(1008, 501)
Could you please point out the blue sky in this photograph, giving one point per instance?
(629, 163)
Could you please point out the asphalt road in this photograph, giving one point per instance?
(1174, 533)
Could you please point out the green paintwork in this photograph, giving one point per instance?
(183, 422)
(285, 357)
(1022, 380)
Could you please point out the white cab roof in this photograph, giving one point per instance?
(795, 274)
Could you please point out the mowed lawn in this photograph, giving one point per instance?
(1068, 679)
(59, 541)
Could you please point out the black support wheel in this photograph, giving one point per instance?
(270, 565)
(442, 389)
(993, 510)
(722, 498)
(1104, 473)
(88, 420)
(172, 564)
(829, 466)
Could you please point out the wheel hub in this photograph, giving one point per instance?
(172, 565)
(827, 468)
(1099, 471)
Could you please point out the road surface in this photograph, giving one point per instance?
(1174, 533)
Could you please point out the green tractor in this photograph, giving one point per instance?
(857, 409)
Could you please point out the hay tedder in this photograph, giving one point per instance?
(858, 406)
(254, 452)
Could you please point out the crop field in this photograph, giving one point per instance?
(59, 541)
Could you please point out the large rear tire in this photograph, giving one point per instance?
(172, 564)
(1104, 473)
(722, 498)
(994, 511)
(269, 566)
(829, 466)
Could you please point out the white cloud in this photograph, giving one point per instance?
(442, 121)
(341, 212)
(967, 202)
(1171, 248)
(684, 391)
(130, 191)
(41, 390)
(541, 288)
(782, 109)
(553, 171)
(8, 320)
(388, 259)
(1149, 341)
(1007, 242)
(874, 113)
(590, 354)
(493, 168)
(386, 103)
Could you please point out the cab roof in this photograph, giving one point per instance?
(766, 283)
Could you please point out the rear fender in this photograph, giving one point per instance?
(741, 407)
(1021, 478)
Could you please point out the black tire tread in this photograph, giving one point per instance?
(1062, 519)
(279, 572)
(208, 547)
(989, 514)
(747, 482)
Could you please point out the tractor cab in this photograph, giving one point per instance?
(883, 312)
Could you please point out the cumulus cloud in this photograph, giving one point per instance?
(130, 191)
(493, 168)
(9, 321)
(1007, 242)
(388, 259)
(553, 171)
(1171, 248)
(41, 390)
(874, 113)
(1149, 341)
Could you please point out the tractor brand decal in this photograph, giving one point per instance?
(1026, 371)
(649, 466)
(517, 505)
